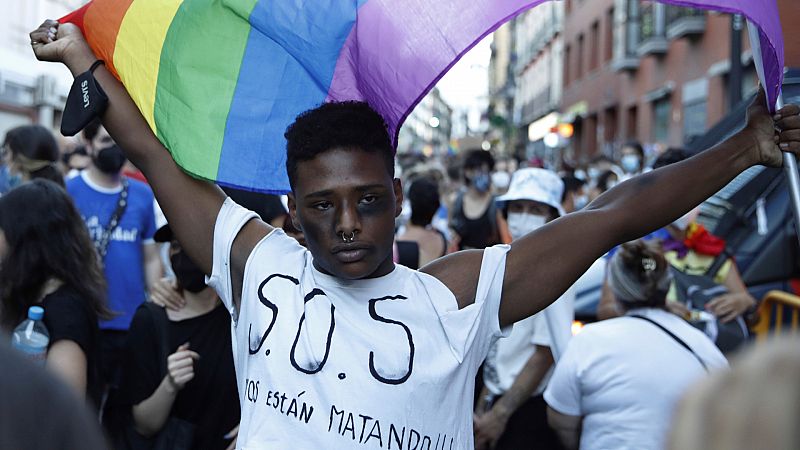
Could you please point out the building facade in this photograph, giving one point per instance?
(499, 114)
(30, 91)
(428, 128)
(651, 72)
(538, 68)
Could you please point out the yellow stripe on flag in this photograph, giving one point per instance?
(137, 55)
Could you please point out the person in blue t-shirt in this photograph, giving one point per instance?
(119, 213)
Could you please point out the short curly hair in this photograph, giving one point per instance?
(337, 125)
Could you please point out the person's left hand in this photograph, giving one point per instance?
(233, 434)
(165, 294)
(488, 428)
(773, 135)
(727, 307)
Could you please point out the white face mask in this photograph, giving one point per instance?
(631, 163)
(520, 224)
(501, 180)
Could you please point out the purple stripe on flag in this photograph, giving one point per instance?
(397, 51)
(763, 13)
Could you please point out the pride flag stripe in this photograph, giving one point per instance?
(201, 59)
(142, 33)
(111, 15)
(274, 84)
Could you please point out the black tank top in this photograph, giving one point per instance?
(474, 233)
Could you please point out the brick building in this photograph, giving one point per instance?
(651, 72)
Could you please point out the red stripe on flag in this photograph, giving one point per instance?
(76, 17)
(100, 22)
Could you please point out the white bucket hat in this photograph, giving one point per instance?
(538, 185)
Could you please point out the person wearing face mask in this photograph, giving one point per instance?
(511, 412)
(120, 216)
(474, 218)
(198, 387)
(632, 159)
(575, 197)
(30, 152)
(690, 249)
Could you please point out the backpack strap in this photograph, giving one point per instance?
(719, 261)
(673, 336)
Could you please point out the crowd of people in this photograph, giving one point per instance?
(430, 308)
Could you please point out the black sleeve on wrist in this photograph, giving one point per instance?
(86, 100)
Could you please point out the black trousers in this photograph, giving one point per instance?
(527, 428)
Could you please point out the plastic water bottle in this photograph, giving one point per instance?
(31, 336)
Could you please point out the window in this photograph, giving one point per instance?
(594, 53)
(694, 120)
(647, 17)
(632, 129)
(694, 97)
(609, 36)
(579, 63)
(567, 64)
(661, 113)
(610, 125)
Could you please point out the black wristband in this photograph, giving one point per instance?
(96, 64)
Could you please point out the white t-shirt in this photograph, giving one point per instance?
(507, 357)
(321, 362)
(625, 376)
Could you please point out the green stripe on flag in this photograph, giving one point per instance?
(200, 63)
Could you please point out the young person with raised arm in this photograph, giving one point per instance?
(336, 346)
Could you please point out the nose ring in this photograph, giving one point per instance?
(350, 238)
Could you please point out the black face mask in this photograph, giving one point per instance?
(109, 160)
(189, 276)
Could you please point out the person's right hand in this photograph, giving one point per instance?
(165, 294)
(679, 309)
(60, 43)
(180, 366)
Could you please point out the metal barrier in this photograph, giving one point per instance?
(772, 311)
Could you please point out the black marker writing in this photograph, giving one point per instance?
(380, 318)
(266, 302)
(320, 364)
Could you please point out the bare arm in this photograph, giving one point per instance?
(568, 428)
(549, 260)
(153, 269)
(66, 359)
(526, 382)
(150, 415)
(489, 427)
(190, 205)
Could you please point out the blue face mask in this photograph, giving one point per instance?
(630, 163)
(482, 182)
(580, 201)
(13, 180)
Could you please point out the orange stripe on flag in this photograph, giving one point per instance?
(101, 26)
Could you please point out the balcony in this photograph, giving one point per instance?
(656, 45)
(685, 22)
(653, 38)
(628, 62)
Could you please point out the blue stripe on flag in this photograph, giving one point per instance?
(285, 71)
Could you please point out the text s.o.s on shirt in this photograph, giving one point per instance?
(382, 363)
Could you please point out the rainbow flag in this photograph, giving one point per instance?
(219, 81)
